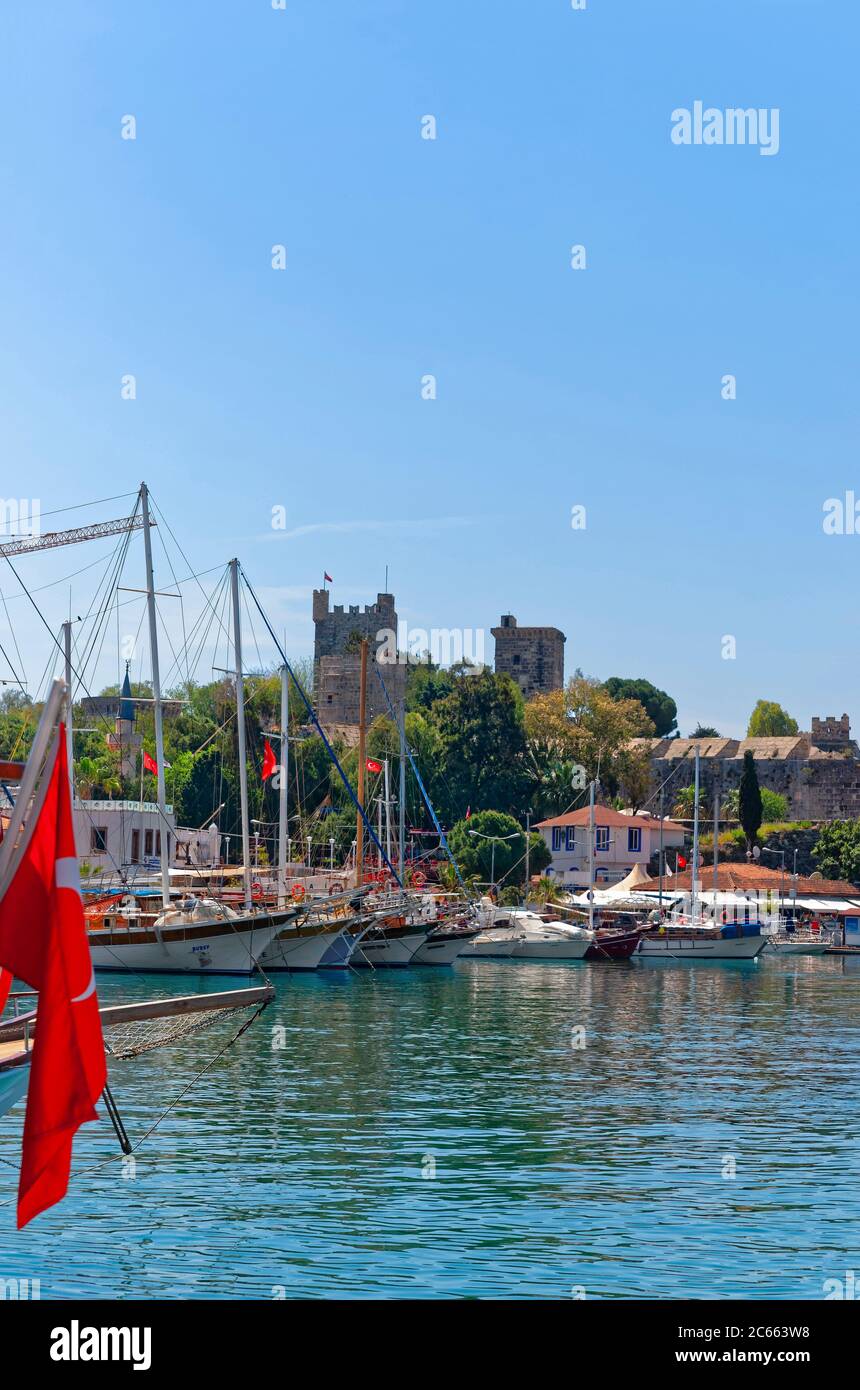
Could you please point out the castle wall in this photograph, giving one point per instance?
(815, 788)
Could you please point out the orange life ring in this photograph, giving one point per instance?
(419, 879)
(297, 892)
(256, 890)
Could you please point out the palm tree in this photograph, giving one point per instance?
(685, 803)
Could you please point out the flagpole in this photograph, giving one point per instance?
(282, 790)
(163, 835)
(240, 729)
(387, 812)
(32, 772)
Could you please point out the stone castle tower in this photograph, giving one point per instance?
(532, 656)
(337, 659)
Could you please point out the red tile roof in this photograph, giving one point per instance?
(749, 878)
(607, 815)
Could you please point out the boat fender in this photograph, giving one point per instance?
(256, 890)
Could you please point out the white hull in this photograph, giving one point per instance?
(488, 946)
(788, 947)
(694, 947)
(388, 952)
(291, 952)
(443, 951)
(550, 949)
(531, 942)
(224, 952)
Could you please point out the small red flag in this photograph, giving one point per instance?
(43, 940)
(270, 762)
(149, 764)
(372, 766)
(468, 813)
(682, 863)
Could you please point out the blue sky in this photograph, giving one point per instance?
(301, 388)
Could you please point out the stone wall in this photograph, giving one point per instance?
(822, 788)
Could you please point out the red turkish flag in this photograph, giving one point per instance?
(149, 764)
(372, 765)
(43, 940)
(270, 762)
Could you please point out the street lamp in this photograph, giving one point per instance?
(493, 838)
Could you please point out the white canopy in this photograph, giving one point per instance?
(636, 877)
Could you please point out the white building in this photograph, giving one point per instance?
(621, 840)
(116, 835)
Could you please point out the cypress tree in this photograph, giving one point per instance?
(749, 801)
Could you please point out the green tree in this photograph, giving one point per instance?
(660, 707)
(837, 853)
(769, 719)
(482, 746)
(705, 731)
(749, 800)
(491, 843)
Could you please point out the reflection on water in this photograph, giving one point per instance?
(308, 1169)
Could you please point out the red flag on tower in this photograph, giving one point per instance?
(43, 940)
(327, 579)
(372, 765)
(270, 762)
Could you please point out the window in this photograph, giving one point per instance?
(98, 839)
(557, 838)
(147, 843)
(135, 846)
(158, 841)
(517, 660)
(601, 837)
(634, 841)
(570, 838)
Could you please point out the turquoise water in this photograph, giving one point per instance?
(309, 1170)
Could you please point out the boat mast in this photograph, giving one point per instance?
(156, 693)
(591, 856)
(401, 828)
(362, 737)
(693, 884)
(70, 742)
(282, 789)
(240, 729)
(387, 812)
